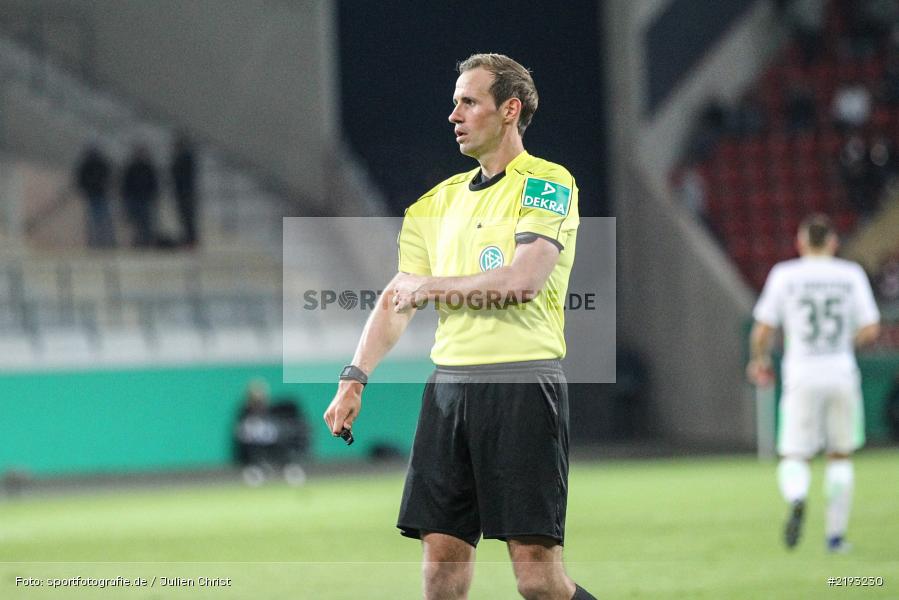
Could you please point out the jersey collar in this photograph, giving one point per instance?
(476, 184)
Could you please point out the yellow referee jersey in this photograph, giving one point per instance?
(462, 227)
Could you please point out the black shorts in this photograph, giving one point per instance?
(490, 454)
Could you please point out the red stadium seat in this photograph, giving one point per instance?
(740, 250)
(872, 70)
(845, 222)
(755, 151)
(783, 175)
(729, 150)
(759, 202)
(755, 176)
(831, 142)
(785, 199)
(805, 146)
(778, 147)
(814, 203)
(881, 118)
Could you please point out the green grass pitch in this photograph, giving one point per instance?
(691, 528)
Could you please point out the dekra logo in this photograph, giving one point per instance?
(551, 196)
(545, 203)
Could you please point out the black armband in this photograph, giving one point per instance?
(528, 237)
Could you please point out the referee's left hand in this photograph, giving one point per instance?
(407, 293)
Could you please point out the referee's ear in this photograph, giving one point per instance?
(511, 110)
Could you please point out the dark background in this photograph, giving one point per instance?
(678, 39)
(396, 95)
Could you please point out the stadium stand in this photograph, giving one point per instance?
(62, 303)
(759, 184)
(50, 114)
(752, 187)
(66, 305)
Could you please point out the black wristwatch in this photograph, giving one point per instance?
(354, 373)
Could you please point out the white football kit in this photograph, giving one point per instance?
(821, 302)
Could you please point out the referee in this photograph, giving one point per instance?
(491, 250)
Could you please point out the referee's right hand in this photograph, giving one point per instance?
(344, 407)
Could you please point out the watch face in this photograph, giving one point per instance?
(351, 372)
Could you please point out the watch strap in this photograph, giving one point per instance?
(353, 373)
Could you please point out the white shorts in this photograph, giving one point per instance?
(815, 417)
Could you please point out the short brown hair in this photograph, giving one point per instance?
(510, 80)
(817, 227)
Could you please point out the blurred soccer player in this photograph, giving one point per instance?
(490, 454)
(826, 307)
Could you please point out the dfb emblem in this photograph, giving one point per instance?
(491, 258)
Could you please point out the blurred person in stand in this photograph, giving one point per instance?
(800, 108)
(184, 180)
(889, 89)
(92, 177)
(882, 158)
(140, 192)
(748, 118)
(851, 106)
(690, 189)
(806, 21)
(868, 22)
(707, 131)
(857, 174)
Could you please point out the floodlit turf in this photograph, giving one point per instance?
(654, 529)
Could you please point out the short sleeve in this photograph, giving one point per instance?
(412, 249)
(548, 208)
(768, 309)
(865, 305)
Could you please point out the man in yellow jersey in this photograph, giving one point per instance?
(491, 250)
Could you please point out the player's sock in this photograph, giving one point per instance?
(582, 594)
(839, 481)
(794, 477)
